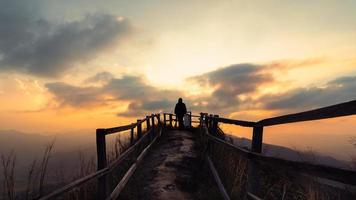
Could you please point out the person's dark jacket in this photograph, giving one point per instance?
(180, 110)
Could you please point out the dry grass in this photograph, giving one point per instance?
(8, 163)
(86, 166)
(240, 177)
(36, 175)
(43, 167)
(352, 141)
(119, 146)
(30, 178)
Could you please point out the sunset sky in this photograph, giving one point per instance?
(82, 64)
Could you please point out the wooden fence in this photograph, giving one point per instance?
(223, 158)
(139, 145)
(213, 136)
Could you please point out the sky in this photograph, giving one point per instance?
(83, 64)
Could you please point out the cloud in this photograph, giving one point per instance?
(31, 44)
(336, 91)
(70, 95)
(233, 90)
(289, 64)
(141, 108)
(99, 78)
(230, 82)
(142, 98)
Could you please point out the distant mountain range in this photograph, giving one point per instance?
(64, 161)
(30, 146)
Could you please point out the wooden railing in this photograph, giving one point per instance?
(170, 119)
(212, 135)
(154, 127)
(138, 146)
(213, 142)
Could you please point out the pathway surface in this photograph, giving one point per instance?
(172, 170)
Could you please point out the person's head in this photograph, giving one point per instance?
(180, 100)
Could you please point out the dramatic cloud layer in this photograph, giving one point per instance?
(230, 82)
(142, 97)
(233, 88)
(75, 96)
(336, 91)
(103, 88)
(32, 44)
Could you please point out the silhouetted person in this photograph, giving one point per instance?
(180, 110)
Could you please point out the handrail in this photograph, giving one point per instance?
(338, 110)
(108, 131)
(236, 122)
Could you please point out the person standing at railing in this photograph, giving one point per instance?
(180, 110)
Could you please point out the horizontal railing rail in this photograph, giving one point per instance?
(108, 131)
(338, 110)
(236, 122)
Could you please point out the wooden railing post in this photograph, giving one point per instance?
(148, 122)
(257, 137)
(253, 168)
(201, 128)
(102, 163)
(171, 120)
(132, 135)
(153, 127)
(190, 119)
(201, 119)
(139, 129)
(101, 148)
(211, 121)
(215, 124)
(206, 117)
(158, 119)
(164, 120)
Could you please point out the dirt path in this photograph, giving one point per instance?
(172, 170)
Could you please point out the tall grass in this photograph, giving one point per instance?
(352, 141)
(119, 146)
(36, 175)
(30, 179)
(43, 166)
(8, 163)
(86, 166)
